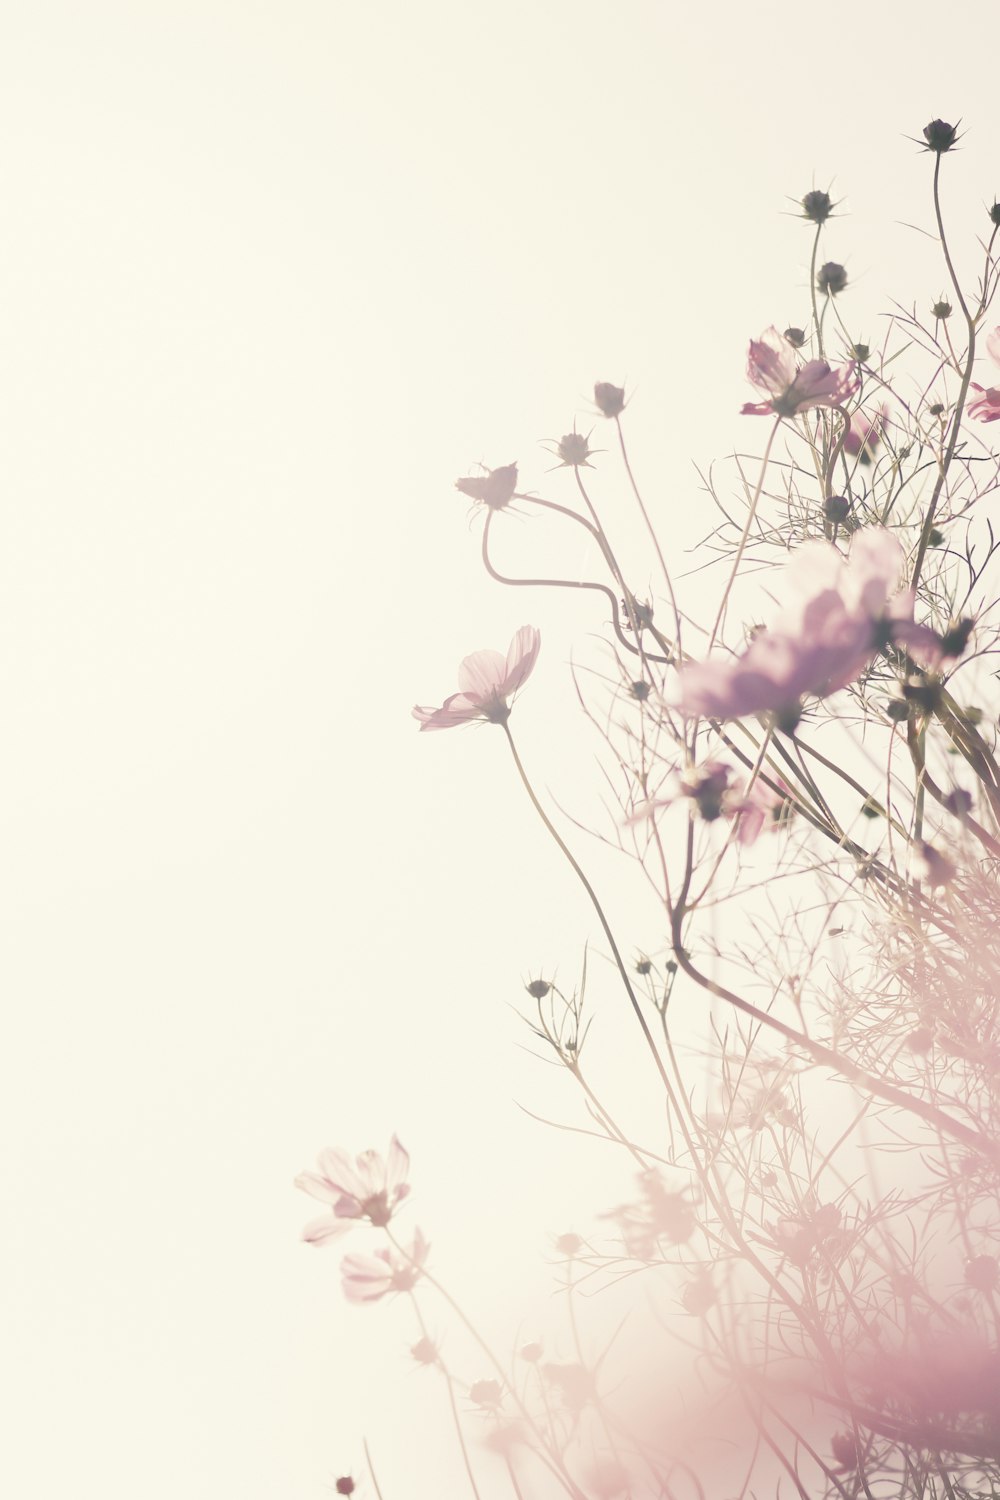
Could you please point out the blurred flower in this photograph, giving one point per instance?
(791, 387)
(345, 1485)
(609, 399)
(495, 488)
(847, 611)
(573, 450)
(425, 1351)
(659, 1214)
(817, 206)
(865, 432)
(831, 278)
(795, 336)
(486, 681)
(367, 1278)
(986, 406)
(761, 807)
(486, 1393)
(368, 1188)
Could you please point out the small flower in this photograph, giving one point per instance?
(793, 388)
(831, 278)
(538, 988)
(986, 406)
(865, 432)
(367, 1278)
(487, 1394)
(795, 336)
(345, 1485)
(569, 1245)
(817, 206)
(486, 680)
(573, 450)
(942, 310)
(425, 1351)
(609, 399)
(368, 1188)
(494, 489)
(940, 136)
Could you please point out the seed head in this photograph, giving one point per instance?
(831, 278)
(817, 206)
(942, 309)
(609, 399)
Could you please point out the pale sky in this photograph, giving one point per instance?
(275, 275)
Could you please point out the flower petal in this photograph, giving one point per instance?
(480, 675)
(521, 657)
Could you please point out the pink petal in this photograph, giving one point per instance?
(458, 709)
(338, 1167)
(480, 675)
(397, 1168)
(521, 657)
(993, 346)
(771, 362)
(318, 1187)
(322, 1231)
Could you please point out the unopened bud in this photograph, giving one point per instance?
(942, 309)
(831, 278)
(609, 399)
(538, 988)
(795, 336)
(817, 206)
(940, 136)
(639, 690)
(837, 508)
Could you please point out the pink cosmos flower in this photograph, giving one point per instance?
(367, 1278)
(845, 613)
(367, 1188)
(717, 792)
(865, 433)
(486, 681)
(789, 386)
(760, 808)
(986, 406)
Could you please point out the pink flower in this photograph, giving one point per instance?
(865, 433)
(986, 406)
(717, 792)
(367, 1188)
(791, 387)
(847, 611)
(494, 489)
(366, 1278)
(759, 808)
(486, 681)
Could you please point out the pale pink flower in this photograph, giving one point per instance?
(761, 807)
(717, 792)
(486, 680)
(367, 1278)
(866, 431)
(790, 387)
(986, 406)
(846, 612)
(366, 1188)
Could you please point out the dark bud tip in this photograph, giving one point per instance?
(936, 537)
(940, 136)
(995, 214)
(817, 206)
(538, 988)
(831, 278)
(644, 966)
(837, 509)
(639, 690)
(795, 336)
(936, 410)
(897, 710)
(942, 309)
(955, 640)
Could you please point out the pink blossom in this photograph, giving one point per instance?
(761, 807)
(486, 680)
(717, 792)
(986, 406)
(366, 1188)
(845, 613)
(367, 1278)
(790, 387)
(865, 432)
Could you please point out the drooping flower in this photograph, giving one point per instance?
(790, 387)
(845, 613)
(367, 1188)
(866, 431)
(367, 1278)
(986, 406)
(486, 681)
(494, 489)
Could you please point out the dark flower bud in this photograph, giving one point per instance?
(921, 1040)
(844, 1448)
(936, 538)
(817, 206)
(940, 136)
(345, 1485)
(897, 710)
(574, 450)
(538, 988)
(956, 637)
(837, 508)
(926, 695)
(861, 351)
(995, 214)
(972, 715)
(982, 1272)
(670, 966)
(870, 808)
(938, 868)
(609, 399)
(942, 309)
(832, 278)
(643, 966)
(639, 690)
(795, 336)
(936, 410)
(569, 1244)
(958, 802)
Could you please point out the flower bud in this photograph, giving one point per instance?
(538, 988)
(942, 309)
(837, 508)
(860, 351)
(643, 966)
(486, 1393)
(936, 409)
(795, 336)
(569, 1245)
(609, 399)
(844, 1448)
(574, 450)
(940, 136)
(345, 1485)
(831, 279)
(495, 488)
(424, 1351)
(817, 206)
(958, 802)
(995, 214)
(956, 637)
(936, 537)
(639, 691)
(897, 710)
